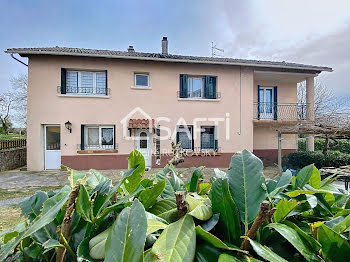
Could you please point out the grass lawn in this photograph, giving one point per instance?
(11, 137)
(9, 217)
(7, 194)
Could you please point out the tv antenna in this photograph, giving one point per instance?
(215, 51)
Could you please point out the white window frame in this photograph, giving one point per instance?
(141, 74)
(94, 78)
(190, 86)
(100, 146)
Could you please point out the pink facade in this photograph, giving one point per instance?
(230, 116)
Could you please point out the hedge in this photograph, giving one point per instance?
(343, 145)
(300, 159)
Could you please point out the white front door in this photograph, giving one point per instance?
(52, 143)
(266, 103)
(143, 143)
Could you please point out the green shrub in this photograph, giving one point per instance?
(342, 146)
(297, 160)
(162, 218)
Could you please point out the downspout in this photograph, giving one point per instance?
(19, 60)
(240, 101)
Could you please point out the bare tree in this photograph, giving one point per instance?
(6, 106)
(329, 109)
(19, 86)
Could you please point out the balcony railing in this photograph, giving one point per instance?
(73, 90)
(198, 95)
(277, 111)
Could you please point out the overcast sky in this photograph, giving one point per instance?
(313, 32)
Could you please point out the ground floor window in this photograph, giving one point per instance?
(99, 137)
(185, 136)
(208, 138)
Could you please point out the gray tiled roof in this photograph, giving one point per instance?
(160, 57)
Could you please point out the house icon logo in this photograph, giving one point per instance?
(141, 120)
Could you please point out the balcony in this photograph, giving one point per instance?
(283, 112)
(84, 91)
(198, 95)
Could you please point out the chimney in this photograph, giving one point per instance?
(165, 45)
(131, 49)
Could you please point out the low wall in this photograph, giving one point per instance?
(13, 158)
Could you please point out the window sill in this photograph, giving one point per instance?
(141, 88)
(204, 154)
(199, 99)
(97, 151)
(84, 96)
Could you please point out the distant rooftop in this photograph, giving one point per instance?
(164, 57)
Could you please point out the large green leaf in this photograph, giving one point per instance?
(296, 240)
(304, 176)
(334, 246)
(97, 244)
(31, 207)
(283, 208)
(154, 225)
(49, 211)
(127, 238)
(83, 204)
(222, 203)
(196, 175)
(342, 225)
(135, 160)
(206, 253)
(176, 243)
(284, 179)
(315, 179)
(199, 207)
(75, 176)
(246, 179)
(95, 178)
(150, 195)
(265, 252)
(166, 209)
(312, 241)
(214, 241)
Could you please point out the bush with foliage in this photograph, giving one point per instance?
(298, 160)
(236, 216)
(341, 145)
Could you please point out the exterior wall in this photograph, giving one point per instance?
(12, 158)
(45, 106)
(265, 138)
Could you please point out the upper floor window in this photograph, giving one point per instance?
(141, 80)
(198, 87)
(84, 82)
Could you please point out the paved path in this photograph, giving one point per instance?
(16, 179)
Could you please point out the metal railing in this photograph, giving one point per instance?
(99, 91)
(278, 111)
(97, 147)
(198, 95)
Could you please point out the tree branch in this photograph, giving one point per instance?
(264, 213)
(66, 222)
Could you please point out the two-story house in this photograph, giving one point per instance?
(89, 108)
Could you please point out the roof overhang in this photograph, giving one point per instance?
(256, 64)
